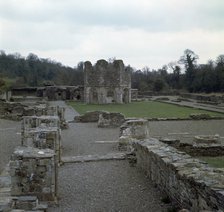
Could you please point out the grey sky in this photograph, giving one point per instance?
(141, 32)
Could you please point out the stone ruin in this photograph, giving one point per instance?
(33, 167)
(107, 82)
(104, 119)
(190, 183)
(50, 92)
(107, 119)
(132, 130)
(42, 132)
(34, 173)
(16, 110)
(202, 145)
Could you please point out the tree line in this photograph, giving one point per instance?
(184, 74)
(35, 71)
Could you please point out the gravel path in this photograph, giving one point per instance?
(9, 139)
(104, 185)
(80, 138)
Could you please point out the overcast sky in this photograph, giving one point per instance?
(141, 32)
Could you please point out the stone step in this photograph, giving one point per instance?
(92, 158)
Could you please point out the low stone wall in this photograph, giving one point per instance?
(104, 118)
(203, 97)
(192, 184)
(15, 110)
(196, 149)
(107, 119)
(189, 182)
(89, 116)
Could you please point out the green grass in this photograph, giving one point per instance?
(217, 162)
(8, 83)
(145, 109)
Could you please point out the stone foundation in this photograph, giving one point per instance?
(197, 148)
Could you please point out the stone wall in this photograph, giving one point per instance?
(34, 173)
(107, 82)
(196, 149)
(104, 119)
(16, 110)
(51, 92)
(190, 183)
(204, 97)
(107, 119)
(33, 168)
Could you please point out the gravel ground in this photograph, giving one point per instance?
(80, 139)
(9, 139)
(106, 186)
(186, 130)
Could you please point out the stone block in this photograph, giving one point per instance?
(137, 129)
(36, 175)
(107, 119)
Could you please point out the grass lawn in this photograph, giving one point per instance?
(147, 109)
(217, 162)
(8, 83)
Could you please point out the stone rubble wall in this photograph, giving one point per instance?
(33, 173)
(104, 119)
(15, 110)
(107, 119)
(33, 168)
(190, 183)
(195, 149)
(44, 138)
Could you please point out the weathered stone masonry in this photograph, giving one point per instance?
(107, 82)
(191, 183)
(33, 169)
(34, 173)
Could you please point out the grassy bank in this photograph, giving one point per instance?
(149, 109)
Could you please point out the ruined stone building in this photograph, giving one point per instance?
(107, 82)
(51, 92)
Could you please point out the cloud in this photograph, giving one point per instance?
(154, 15)
(141, 32)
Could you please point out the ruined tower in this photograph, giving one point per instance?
(107, 82)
